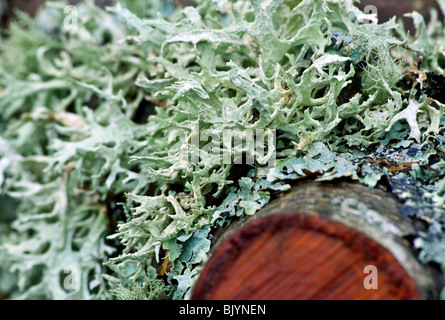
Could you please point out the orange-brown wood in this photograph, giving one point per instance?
(296, 256)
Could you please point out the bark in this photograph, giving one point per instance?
(314, 242)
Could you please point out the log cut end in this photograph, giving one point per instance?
(299, 256)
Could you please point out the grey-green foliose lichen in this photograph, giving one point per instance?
(94, 193)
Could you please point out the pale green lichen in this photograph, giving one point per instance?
(75, 141)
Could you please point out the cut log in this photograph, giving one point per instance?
(319, 241)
